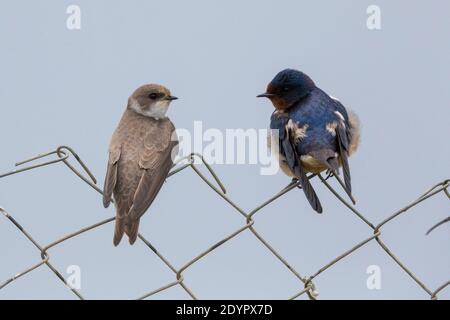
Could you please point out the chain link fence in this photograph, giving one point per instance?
(67, 156)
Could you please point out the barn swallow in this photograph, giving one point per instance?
(315, 131)
(140, 157)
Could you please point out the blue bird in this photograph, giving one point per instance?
(315, 131)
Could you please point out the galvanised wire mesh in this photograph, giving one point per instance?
(64, 154)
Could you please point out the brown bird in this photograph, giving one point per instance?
(140, 157)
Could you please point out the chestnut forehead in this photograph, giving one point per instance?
(275, 87)
(271, 88)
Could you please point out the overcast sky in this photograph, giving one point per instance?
(70, 87)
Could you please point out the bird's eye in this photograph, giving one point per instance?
(285, 89)
(153, 96)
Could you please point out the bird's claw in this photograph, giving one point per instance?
(295, 181)
(329, 174)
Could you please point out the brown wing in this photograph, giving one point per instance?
(156, 162)
(111, 175)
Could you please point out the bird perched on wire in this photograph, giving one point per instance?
(140, 157)
(315, 131)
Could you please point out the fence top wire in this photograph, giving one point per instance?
(63, 154)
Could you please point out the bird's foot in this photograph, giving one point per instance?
(295, 181)
(329, 174)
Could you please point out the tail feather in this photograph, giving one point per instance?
(125, 225)
(308, 189)
(119, 230)
(342, 141)
(132, 229)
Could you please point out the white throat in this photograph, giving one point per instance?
(157, 110)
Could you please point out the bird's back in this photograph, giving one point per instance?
(318, 112)
(134, 133)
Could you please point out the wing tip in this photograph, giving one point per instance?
(319, 210)
(118, 231)
(106, 202)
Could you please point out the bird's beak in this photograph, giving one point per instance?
(170, 98)
(266, 95)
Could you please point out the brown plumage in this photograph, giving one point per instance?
(140, 157)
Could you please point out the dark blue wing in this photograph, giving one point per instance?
(317, 111)
(279, 121)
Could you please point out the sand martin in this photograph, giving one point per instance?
(316, 132)
(140, 157)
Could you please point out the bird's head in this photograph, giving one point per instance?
(151, 100)
(287, 88)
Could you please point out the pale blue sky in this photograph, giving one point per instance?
(70, 87)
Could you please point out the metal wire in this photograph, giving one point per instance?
(306, 285)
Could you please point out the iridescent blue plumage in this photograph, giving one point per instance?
(315, 130)
(317, 110)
